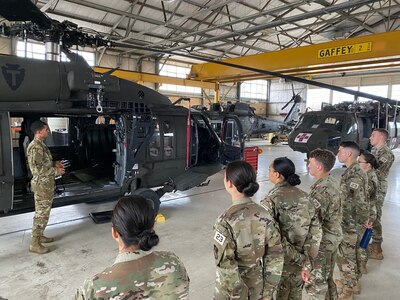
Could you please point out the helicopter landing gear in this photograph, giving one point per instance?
(150, 195)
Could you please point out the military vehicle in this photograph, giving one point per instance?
(347, 121)
(116, 136)
(119, 137)
(252, 123)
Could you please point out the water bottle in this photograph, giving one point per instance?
(366, 238)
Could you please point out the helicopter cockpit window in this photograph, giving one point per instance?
(155, 144)
(322, 122)
(168, 135)
(231, 134)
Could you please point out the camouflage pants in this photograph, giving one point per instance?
(348, 259)
(377, 227)
(43, 201)
(322, 286)
(291, 284)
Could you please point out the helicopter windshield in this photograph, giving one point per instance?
(324, 121)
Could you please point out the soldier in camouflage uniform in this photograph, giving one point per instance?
(368, 163)
(298, 222)
(43, 171)
(138, 272)
(325, 194)
(247, 243)
(385, 160)
(355, 206)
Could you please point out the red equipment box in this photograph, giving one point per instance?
(251, 156)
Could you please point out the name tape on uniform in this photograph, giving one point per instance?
(219, 238)
(345, 50)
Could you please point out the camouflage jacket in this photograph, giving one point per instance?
(385, 159)
(40, 163)
(325, 195)
(372, 193)
(353, 195)
(299, 224)
(139, 275)
(248, 252)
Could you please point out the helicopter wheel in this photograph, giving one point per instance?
(150, 195)
(274, 140)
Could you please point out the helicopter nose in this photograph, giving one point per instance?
(324, 141)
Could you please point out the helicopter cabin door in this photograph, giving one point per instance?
(232, 139)
(6, 166)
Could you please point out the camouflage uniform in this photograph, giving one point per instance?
(43, 183)
(385, 160)
(372, 193)
(139, 275)
(355, 206)
(301, 234)
(325, 194)
(248, 252)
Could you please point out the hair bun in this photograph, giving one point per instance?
(293, 179)
(147, 239)
(251, 189)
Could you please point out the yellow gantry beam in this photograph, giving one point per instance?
(147, 77)
(365, 52)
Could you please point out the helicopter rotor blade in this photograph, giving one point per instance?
(24, 10)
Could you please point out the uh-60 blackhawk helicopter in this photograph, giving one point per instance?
(116, 136)
(252, 123)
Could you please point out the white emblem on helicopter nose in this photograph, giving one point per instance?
(302, 137)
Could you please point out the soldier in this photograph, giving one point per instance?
(325, 194)
(368, 163)
(44, 171)
(385, 160)
(138, 272)
(355, 208)
(247, 243)
(298, 222)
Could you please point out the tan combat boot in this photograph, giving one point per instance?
(45, 239)
(363, 267)
(37, 247)
(357, 289)
(346, 294)
(375, 251)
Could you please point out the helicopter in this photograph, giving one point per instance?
(345, 121)
(114, 136)
(251, 122)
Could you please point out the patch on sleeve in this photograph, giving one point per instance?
(219, 238)
(317, 205)
(383, 159)
(354, 185)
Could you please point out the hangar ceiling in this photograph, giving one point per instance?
(221, 29)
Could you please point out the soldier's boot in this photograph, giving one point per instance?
(375, 251)
(357, 289)
(363, 267)
(45, 239)
(37, 247)
(346, 294)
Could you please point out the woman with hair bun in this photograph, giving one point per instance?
(138, 272)
(298, 222)
(369, 164)
(247, 243)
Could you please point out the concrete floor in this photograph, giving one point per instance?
(83, 248)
